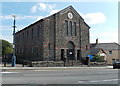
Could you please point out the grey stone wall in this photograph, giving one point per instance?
(30, 46)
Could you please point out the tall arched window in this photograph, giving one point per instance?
(70, 28)
(38, 31)
(27, 35)
(32, 33)
(49, 47)
(23, 36)
(75, 31)
(66, 27)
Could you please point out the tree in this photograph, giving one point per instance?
(97, 58)
(6, 47)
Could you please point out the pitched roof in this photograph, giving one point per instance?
(65, 9)
(94, 51)
(106, 46)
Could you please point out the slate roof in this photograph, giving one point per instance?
(94, 51)
(105, 46)
(65, 9)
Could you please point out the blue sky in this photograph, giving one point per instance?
(102, 17)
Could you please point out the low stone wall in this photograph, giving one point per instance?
(54, 63)
(98, 63)
(59, 63)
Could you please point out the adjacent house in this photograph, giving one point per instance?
(109, 50)
(98, 51)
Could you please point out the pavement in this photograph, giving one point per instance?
(19, 67)
(52, 68)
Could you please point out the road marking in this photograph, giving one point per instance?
(9, 72)
(93, 81)
(107, 80)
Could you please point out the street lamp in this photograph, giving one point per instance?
(14, 57)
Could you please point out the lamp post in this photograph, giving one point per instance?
(14, 57)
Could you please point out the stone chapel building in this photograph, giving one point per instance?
(64, 34)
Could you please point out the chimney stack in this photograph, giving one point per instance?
(97, 41)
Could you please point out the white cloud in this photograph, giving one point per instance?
(104, 37)
(3, 29)
(34, 9)
(18, 17)
(8, 38)
(108, 34)
(5, 26)
(94, 18)
(6, 17)
(42, 7)
(53, 11)
(25, 17)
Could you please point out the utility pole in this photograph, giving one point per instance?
(14, 57)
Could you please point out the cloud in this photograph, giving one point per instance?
(7, 37)
(18, 17)
(6, 17)
(34, 9)
(42, 7)
(94, 18)
(104, 37)
(26, 17)
(108, 34)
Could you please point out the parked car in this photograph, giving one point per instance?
(116, 64)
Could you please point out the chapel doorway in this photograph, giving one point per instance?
(70, 51)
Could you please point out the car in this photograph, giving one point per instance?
(116, 64)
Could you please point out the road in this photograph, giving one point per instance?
(76, 76)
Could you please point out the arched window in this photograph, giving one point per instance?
(70, 28)
(27, 35)
(49, 47)
(23, 36)
(74, 26)
(32, 33)
(70, 45)
(38, 30)
(66, 27)
(86, 47)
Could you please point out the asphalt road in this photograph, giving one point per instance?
(79, 76)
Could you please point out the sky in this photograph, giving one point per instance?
(102, 17)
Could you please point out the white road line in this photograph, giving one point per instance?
(9, 72)
(94, 81)
(81, 81)
(109, 80)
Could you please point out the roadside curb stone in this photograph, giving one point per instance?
(50, 68)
